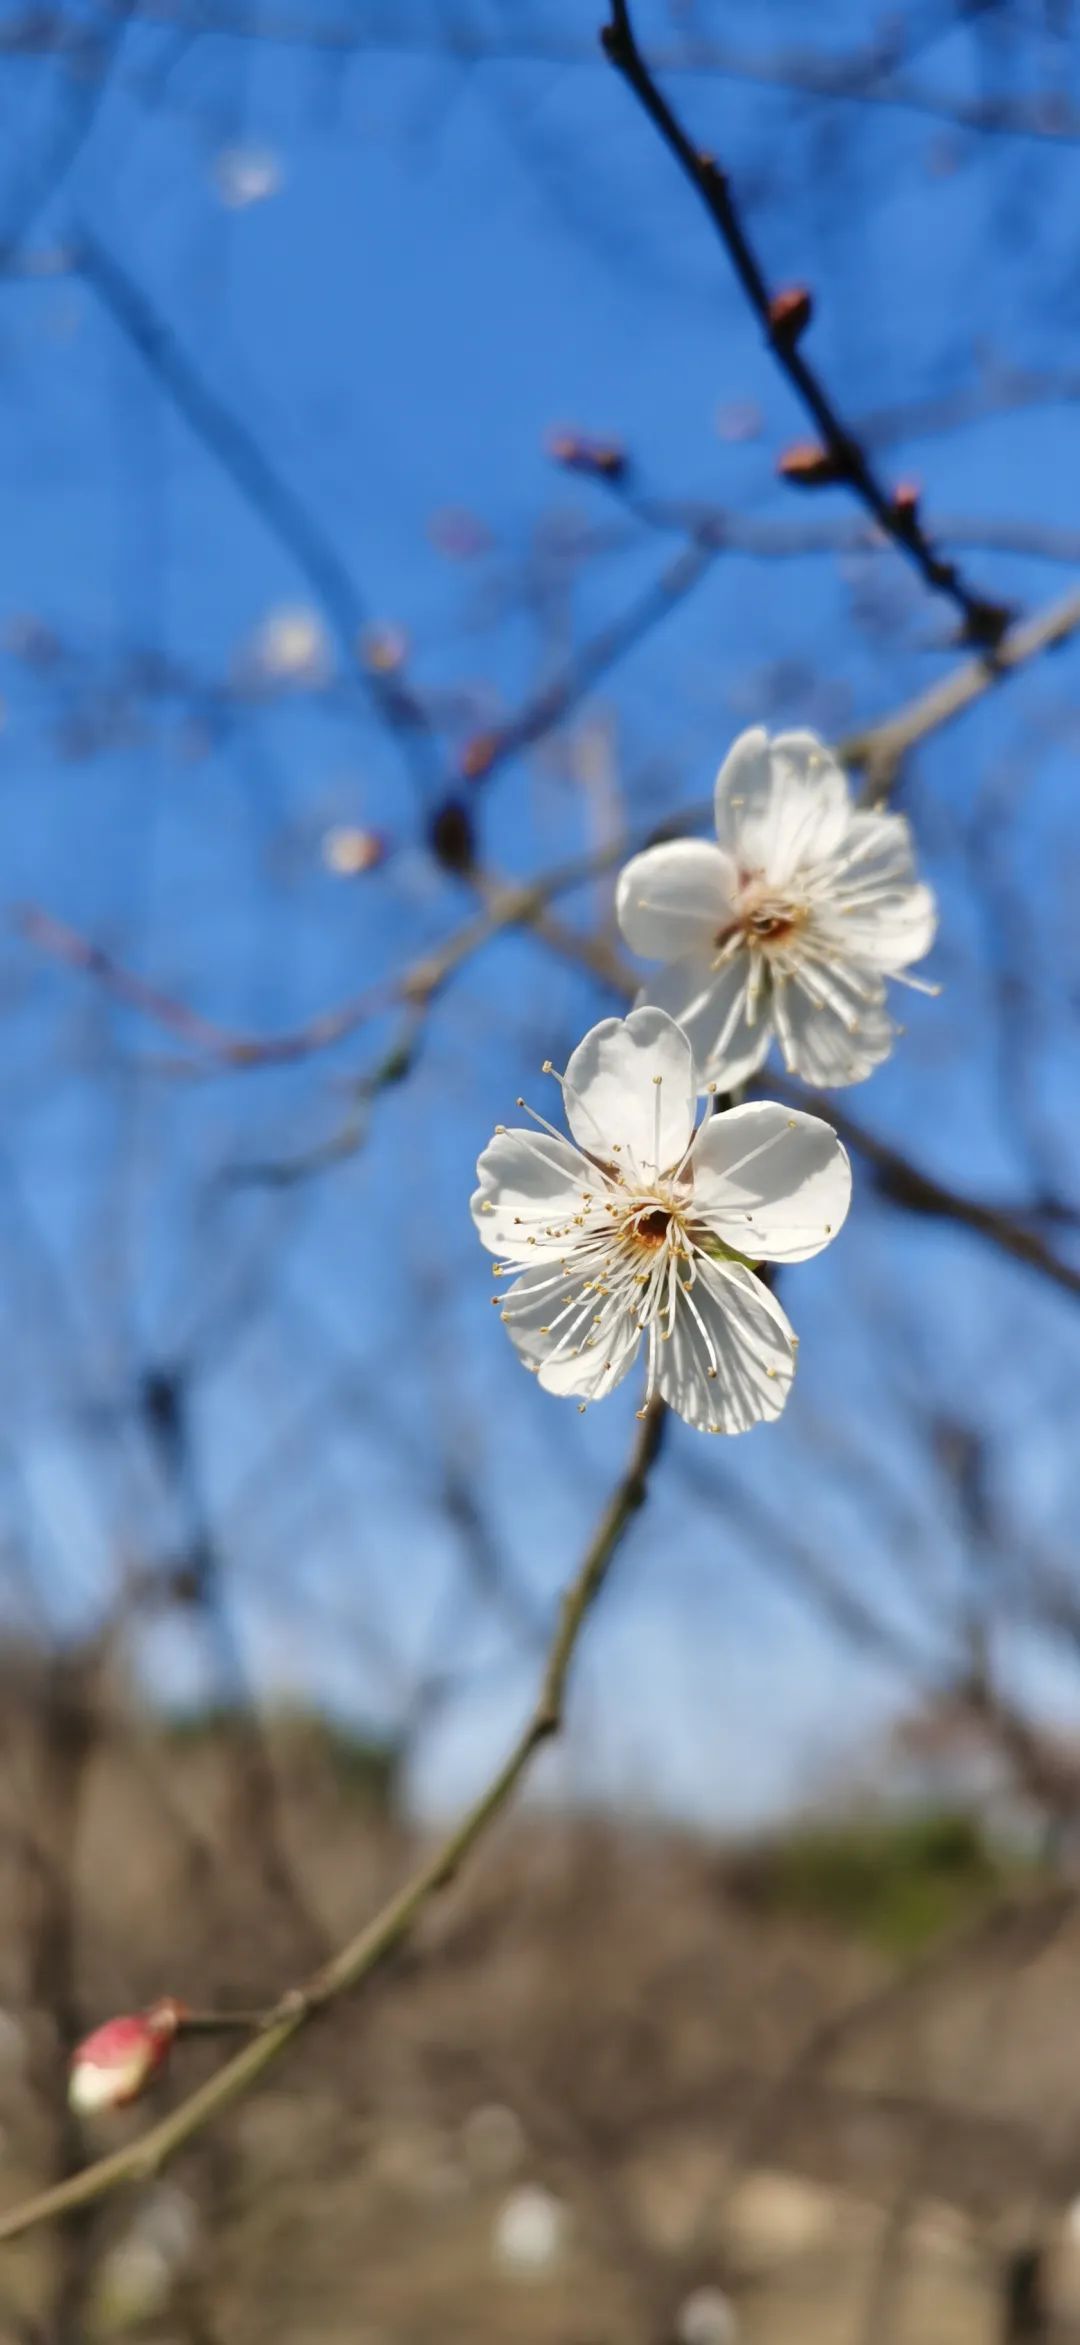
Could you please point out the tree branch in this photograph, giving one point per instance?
(230, 440)
(379, 1938)
(984, 621)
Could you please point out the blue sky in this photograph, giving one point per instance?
(456, 260)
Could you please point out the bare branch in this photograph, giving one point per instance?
(985, 621)
(379, 1938)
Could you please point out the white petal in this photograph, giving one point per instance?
(531, 1186)
(578, 1341)
(711, 1007)
(729, 1323)
(630, 1093)
(672, 900)
(772, 1183)
(890, 933)
(827, 1046)
(875, 908)
(878, 911)
(780, 804)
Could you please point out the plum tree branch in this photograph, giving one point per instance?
(380, 1938)
(984, 620)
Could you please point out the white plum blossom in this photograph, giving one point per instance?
(530, 2231)
(788, 926)
(644, 1228)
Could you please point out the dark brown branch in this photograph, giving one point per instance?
(902, 1183)
(984, 621)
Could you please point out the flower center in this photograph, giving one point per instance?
(650, 1226)
(762, 918)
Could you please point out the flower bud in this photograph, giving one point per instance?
(577, 453)
(790, 312)
(809, 465)
(906, 496)
(111, 2067)
(382, 649)
(477, 756)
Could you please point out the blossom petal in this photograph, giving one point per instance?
(780, 804)
(770, 1182)
(576, 1340)
(831, 1046)
(672, 900)
(711, 1007)
(730, 1359)
(532, 1184)
(880, 912)
(630, 1092)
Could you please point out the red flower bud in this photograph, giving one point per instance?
(809, 465)
(579, 454)
(383, 649)
(115, 2064)
(790, 312)
(906, 496)
(478, 756)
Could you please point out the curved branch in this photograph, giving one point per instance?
(985, 621)
(389, 1930)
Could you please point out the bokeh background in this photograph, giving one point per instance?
(391, 510)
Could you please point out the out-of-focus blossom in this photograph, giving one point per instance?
(648, 1228)
(706, 2317)
(133, 2285)
(530, 2231)
(788, 925)
(169, 2219)
(245, 175)
(349, 852)
(111, 2067)
(290, 647)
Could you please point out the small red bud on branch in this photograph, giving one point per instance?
(807, 464)
(114, 2065)
(603, 459)
(790, 312)
(477, 756)
(906, 496)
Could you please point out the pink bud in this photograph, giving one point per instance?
(116, 2063)
(578, 453)
(790, 312)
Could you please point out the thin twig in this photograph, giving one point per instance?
(540, 715)
(877, 750)
(985, 621)
(902, 1183)
(379, 1938)
(880, 749)
(235, 447)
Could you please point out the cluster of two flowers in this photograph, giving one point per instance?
(644, 1228)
